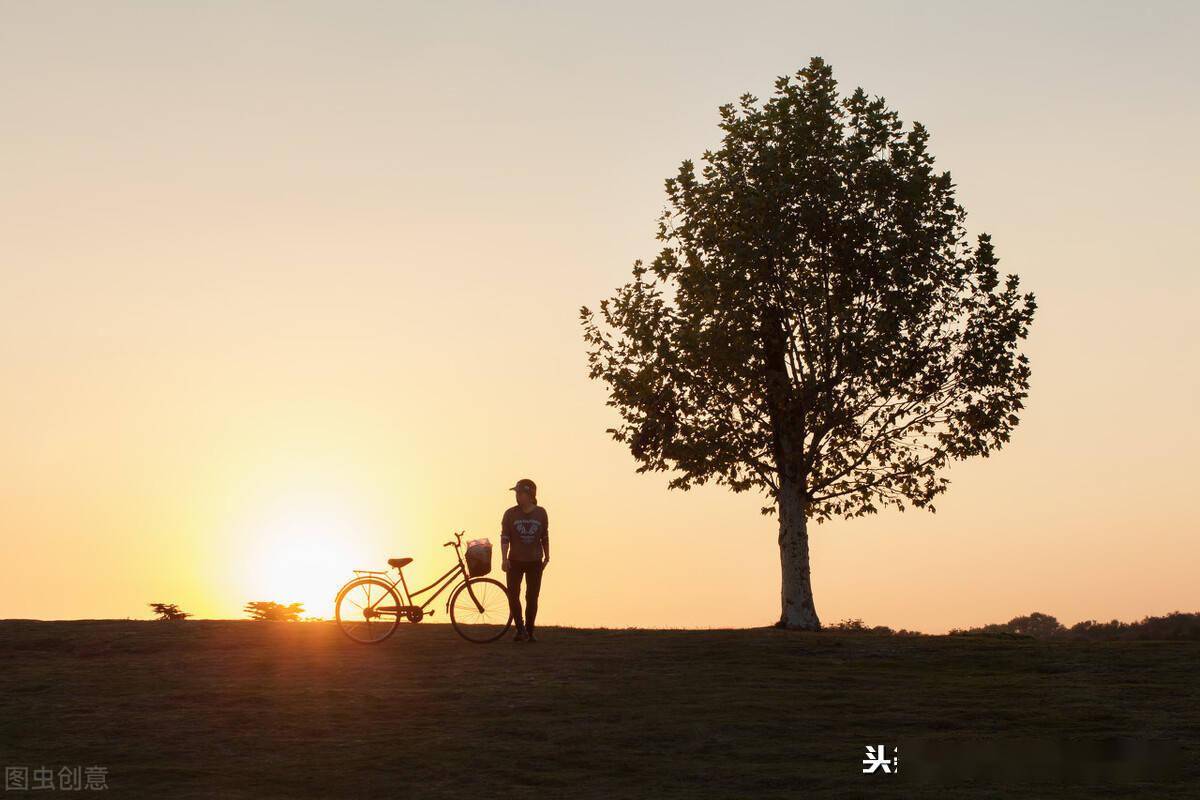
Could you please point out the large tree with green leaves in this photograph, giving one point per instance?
(817, 325)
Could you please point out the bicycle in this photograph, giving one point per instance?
(369, 610)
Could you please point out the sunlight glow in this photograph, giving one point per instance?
(301, 552)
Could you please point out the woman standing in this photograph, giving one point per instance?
(525, 552)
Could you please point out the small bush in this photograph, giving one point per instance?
(168, 612)
(858, 626)
(274, 612)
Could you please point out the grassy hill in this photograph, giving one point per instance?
(238, 709)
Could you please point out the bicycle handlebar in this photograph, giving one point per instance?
(458, 540)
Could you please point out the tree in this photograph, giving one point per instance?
(1037, 625)
(271, 611)
(817, 325)
(168, 611)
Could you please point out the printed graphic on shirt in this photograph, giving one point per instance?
(528, 529)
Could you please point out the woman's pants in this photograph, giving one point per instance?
(532, 571)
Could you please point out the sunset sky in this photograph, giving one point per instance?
(291, 288)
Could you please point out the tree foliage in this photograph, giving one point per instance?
(817, 315)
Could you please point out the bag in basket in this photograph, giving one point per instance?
(479, 557)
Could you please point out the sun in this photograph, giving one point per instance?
(302, 552)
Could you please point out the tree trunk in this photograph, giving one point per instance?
(798, 610)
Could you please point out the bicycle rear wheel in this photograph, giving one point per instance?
(362, 610)
(479, 610)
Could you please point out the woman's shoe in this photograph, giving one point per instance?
(521, 637)
(530, 637)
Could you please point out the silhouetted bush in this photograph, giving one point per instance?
(1177, 626)
(168, 611)
(275, 612)
(1174, 626)
(858, 626)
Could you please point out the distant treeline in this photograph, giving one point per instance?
(1174, 626)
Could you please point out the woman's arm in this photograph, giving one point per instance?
(504, 542)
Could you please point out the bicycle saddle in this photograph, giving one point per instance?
(399, 562)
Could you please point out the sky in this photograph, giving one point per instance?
(290, 288)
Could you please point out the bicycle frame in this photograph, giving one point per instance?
(443, 583)
(448, 579)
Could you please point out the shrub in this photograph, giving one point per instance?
(858, 626)
(1174, 626)
(275, 612)
(168, 612)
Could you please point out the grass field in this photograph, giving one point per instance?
(244, 709)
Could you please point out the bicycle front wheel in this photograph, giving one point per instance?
(367, 610)
(479, 610)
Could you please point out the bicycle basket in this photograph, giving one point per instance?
(479, 557)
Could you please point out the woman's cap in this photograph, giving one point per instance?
(527, 485)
